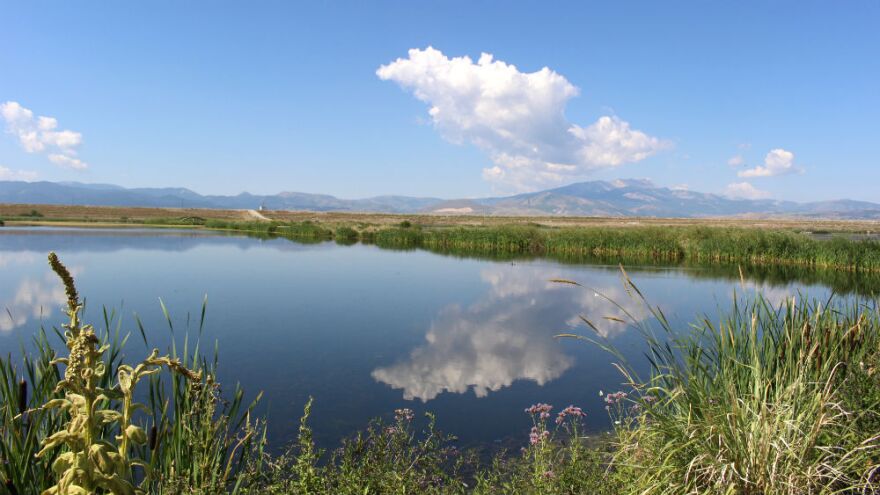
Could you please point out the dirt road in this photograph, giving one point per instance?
(258, 216)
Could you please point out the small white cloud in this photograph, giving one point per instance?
(736, 161)
(7, 173)
(41, 134)
(67, 161)
(517, 118)
(680, 187)
(744, 190)
(777, 162)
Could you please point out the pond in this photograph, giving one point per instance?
(365, 330)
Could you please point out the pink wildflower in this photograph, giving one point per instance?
(572, 411)
(539, 408)
(404, 414)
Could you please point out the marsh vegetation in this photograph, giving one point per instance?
(704, 245)
(764, 399)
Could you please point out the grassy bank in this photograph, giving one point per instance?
(694, 244)
(708, 241)
(706, 245)
(763, 400)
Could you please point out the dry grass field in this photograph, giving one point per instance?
(20, 214)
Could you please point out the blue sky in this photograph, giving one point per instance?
(772, 99)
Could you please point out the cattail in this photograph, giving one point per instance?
(10, 487)
(154, 437)
(22, 396)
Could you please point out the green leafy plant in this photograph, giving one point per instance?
(91, 461)
(72, 425)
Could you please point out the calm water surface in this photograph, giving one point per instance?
(361, 329)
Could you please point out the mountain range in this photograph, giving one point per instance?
(619, 198)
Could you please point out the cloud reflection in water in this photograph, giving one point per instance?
(33, 297)
(504, 337)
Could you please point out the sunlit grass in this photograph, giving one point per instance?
(770, 399)
(696, 244)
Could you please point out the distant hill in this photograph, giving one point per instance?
(596, 198)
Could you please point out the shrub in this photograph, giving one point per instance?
(346, 235)
(32, 213)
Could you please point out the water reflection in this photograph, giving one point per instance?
(776, 295)
(507, 335)
(33, 297)
(359, 328)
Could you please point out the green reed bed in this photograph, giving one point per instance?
(728, 245)
(296, 230)
(175, 221)
(697, 244)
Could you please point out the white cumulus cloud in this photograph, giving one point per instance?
(736, 161)
(744, 190)
(777, 162)
(7, 173)
(41, 134)
(517, 118)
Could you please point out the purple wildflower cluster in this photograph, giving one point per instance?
(536, 435)
(404, 414)
(572, 411)
(615, 398)
(542, 410)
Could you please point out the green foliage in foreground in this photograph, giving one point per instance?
(771, 400)
(395, 458)
(77, 429)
